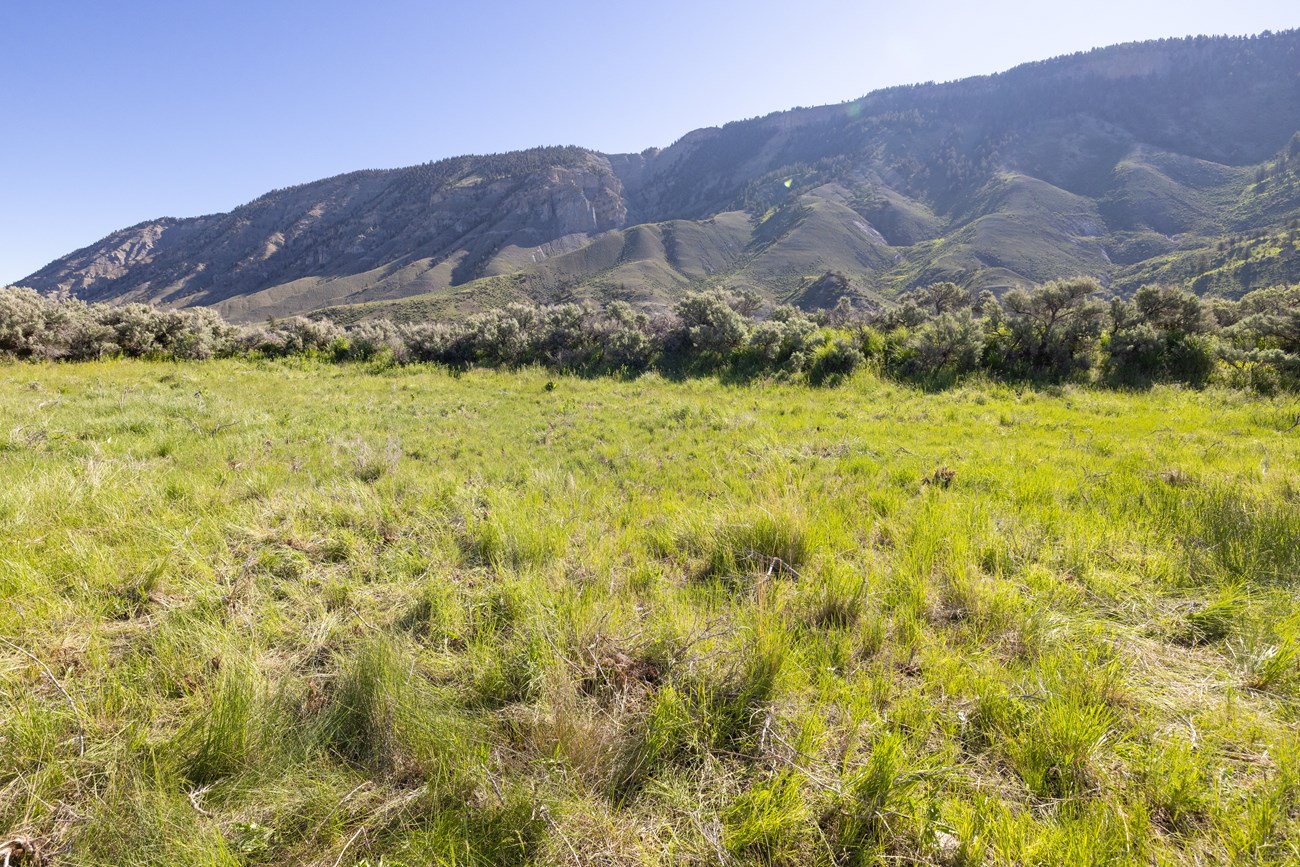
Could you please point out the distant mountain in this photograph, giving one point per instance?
(1176, 160)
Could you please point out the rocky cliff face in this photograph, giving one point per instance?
(1125, 163)
(458, 214)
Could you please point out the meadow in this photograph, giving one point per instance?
(294, 612)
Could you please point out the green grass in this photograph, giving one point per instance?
(1222, 265)
(299, 613)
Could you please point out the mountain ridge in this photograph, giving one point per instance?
(1119, 162)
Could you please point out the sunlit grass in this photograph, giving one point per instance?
(268, 613)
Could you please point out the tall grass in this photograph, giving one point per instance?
(290, 612)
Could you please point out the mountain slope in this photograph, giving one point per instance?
(1121, 163)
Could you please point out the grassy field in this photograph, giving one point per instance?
(290, 613)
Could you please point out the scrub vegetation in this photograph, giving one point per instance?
(1065, 330)
(284, 611)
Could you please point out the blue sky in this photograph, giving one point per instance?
(114, 113)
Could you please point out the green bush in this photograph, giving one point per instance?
(1053, 332)
(833, 361)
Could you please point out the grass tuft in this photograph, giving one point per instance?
(224, 737)
(877, 807)
(770, 823)
(1060, 750)
(360, 725)
(838, 596)
(1212, 620)
(760, 543)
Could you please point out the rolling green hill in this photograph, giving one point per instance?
(1130, 163)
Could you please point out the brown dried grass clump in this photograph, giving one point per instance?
(20, 850)
(942, 477)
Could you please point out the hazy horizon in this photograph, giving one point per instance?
(121, 118)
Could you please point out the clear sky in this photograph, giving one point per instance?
(116, 112)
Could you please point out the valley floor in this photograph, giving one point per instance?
(298, 613)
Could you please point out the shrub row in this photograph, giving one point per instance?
(1066, 330)
(1063, 330)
